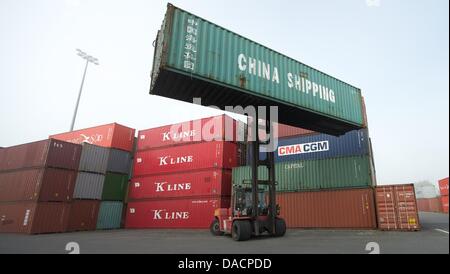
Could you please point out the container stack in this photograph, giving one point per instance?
(182, 173)
(37, 182)
(443, 189)
(103, 176)
(323, 181)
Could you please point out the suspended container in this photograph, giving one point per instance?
(196, 58)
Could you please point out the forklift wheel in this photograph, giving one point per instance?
(242, 230)
(280, 227)
(215, 228)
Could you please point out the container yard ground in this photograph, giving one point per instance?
(432, 239)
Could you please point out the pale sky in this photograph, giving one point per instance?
(396, 51)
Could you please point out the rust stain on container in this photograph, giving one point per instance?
(397, 207)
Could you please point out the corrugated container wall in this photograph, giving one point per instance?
(352, 209)
(242, 72)
(217, 128)
(114, 187)
(83, 215)
(174, 213)
(46, 153)
(94, 158)
(110, 215)
(348, 172)
(184, 158)
(397, 207)
(89, 186)
(34, 218)
(41, 184)
(320, 146)
(280, 130)
(119, 161)
(444, 204)
(186, 184)
(110, 136)
(429, 204)
(443, 187)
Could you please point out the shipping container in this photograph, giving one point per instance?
(217, 128)
(174, 213)
(333, 173)
(110, 136)
(34, 218)
(46, 153)
(94, 158)
(397, 207)
(444, 204)
(114, 187)
(196, 58)
(186, 184)
(89, 186)
(319, 146)
(110, 215)
(349, 209)
(279, 130)
(119, 161)
(83, 215)
(429, 204)
(443, 187)
(185, 158)
(37, 184)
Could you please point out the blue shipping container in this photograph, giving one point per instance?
(320, 146)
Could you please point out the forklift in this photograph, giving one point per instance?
(250, 213)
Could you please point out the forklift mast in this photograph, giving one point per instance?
(269, 163)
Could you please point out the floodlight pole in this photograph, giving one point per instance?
(88, 59)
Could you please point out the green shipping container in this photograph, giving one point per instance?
(196, 58)
(110, 215)
(333, 173)
(115, 186)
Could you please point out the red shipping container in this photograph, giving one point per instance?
(184, 158)
(83, 215)
(345, 209)
(43, 184)
(217, 128)
(281, 131)
(33, 218)
(444, 203)
(45, 153)
(110, 136)
(186, 184)
(397, 207)
(429, 204)
(443, 186)
(174, 213)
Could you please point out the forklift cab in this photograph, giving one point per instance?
(242, 201)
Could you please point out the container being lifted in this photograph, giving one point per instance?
(195, 58)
